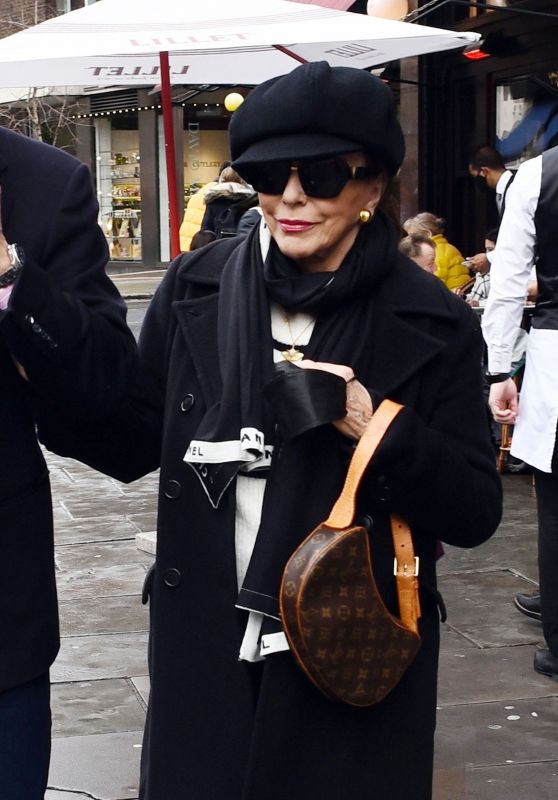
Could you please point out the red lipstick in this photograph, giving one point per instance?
(294, 225)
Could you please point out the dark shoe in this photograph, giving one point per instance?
(546, 664)
(530, 605)
(516, 467)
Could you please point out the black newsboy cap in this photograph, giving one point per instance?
(317, 111)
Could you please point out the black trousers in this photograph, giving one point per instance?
(25, 740)
(546, 485)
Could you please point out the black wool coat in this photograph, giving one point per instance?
(220, 728)
(66, 326)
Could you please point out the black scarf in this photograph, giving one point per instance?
(238, 432)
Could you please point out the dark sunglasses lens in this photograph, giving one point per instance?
(268, 178)
(324, 178)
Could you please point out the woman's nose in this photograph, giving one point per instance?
(293, 191)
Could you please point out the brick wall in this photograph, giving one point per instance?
(18, 14)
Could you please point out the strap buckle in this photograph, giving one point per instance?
(403, 570)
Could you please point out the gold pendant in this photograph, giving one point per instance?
(292, 355)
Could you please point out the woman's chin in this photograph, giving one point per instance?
(296, 248)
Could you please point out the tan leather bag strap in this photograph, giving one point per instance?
(343, 512)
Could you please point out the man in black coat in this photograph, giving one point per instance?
(63, 343)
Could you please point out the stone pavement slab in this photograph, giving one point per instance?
(147, 542)
(498, 733)
(105, 706)
(121, 579)
(471, 675)
(100, 555)
(95, 529)
(83, 658)
(101, 615)
(512, 782)
(144, 522)
(489, 624)
(101, 766)
(480, 607)
(89, 504)
(498, 553)
(141, 684)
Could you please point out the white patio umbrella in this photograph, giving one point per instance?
(130, 42)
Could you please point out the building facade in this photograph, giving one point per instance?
(448, 104)
(506, 96)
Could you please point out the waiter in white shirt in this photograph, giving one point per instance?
(529, 236)
(489, 171)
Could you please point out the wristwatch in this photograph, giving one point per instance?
(497, 377)
(17, 259)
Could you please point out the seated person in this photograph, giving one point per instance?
(449, 261)
(481, 265)
(420, 249)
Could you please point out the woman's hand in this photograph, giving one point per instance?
(359, 402)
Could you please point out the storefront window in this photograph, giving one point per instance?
(204, 151)
(64, 6)
(118, 187)
(527, 116)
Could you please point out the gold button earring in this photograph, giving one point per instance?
(365, 216)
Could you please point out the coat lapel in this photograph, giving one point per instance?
(197, 319)
(197, 315)
(401, 349)
(407, 311)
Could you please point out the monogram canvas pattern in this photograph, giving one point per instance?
(338, 627)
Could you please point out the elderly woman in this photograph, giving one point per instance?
(320, 283)
(450, 266)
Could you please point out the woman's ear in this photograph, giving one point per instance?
(378, 188)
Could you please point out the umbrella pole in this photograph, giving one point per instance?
(170, 159)
(290, 53)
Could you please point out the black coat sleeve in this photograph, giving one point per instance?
(66, 322)
(127, 444)
(440, 474)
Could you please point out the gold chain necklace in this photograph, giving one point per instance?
(293, 354)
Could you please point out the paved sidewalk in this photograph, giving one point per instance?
(138, 285)
(497, 722)
(497, 735)
(100, 687)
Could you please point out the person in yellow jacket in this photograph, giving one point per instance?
(449, 261)
(194, 211)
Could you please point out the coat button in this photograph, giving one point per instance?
(384, 492)
(173, 490)
(366, 521)
(187, 403)
(172, 578)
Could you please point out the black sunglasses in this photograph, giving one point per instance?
(323, 178)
